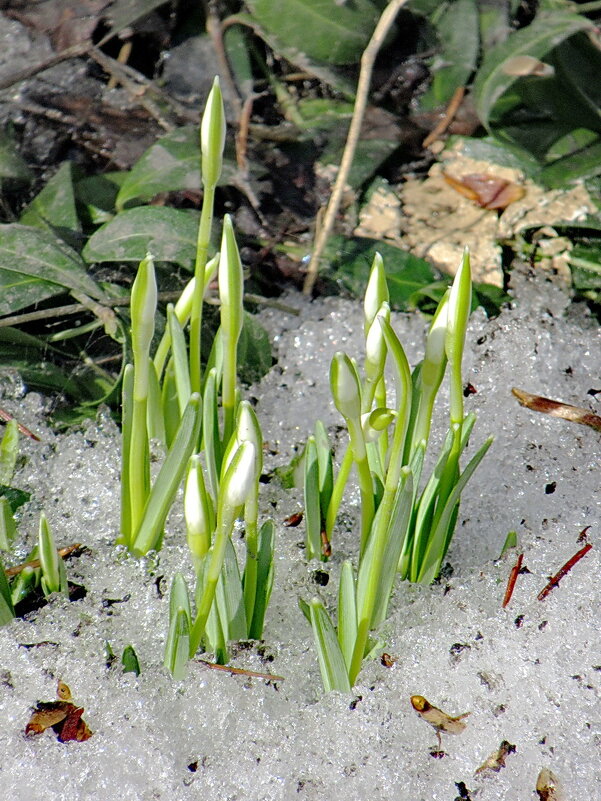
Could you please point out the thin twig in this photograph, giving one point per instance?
(23, 429)
(240, 671)
(563, 571)
(63, 553)
(513, 577)
(76, 50)
(242, 133)
(367, 63)
(165, 297)
(141, 89)
(215, 30)
(447, 119)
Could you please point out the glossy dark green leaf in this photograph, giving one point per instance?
(168, 234)
(369, 155)
(14, 496)
(172, 163)
(585, 262)
(238, 56)
(584, 163)
(97, 195)
(34, 265)
(29, 356)
(494, 22)
(489, 149)
(323, 30)
(578, 64)
(491, 298)
(351, 260)
(53, 209)
(423, 7)
(537, 39)
(458, 31)
(326, 72)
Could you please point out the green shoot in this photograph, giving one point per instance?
(403, 530)
(54, 577)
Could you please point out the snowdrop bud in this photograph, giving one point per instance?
(249, 430)
(231, 281)
(460, 302)
(195, 512)
(49, 558)
(435, 359)
(240, 476)
(375, 346)
(377, 291)
(375, 422)
(143, 307)
(345, 386)
(212, 136)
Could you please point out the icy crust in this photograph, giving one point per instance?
(529, 674)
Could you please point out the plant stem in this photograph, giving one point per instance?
(202, 249)
(252, 546)
(338, 490)
(226, 517)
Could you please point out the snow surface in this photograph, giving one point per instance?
(529, 674)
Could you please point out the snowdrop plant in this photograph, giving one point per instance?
(230, 604)
(43, 570)
(403, 528)
(210, 438)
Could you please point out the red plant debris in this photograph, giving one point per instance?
(513, 577)
(563, 571)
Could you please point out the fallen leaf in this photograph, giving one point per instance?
(488, 191)
(496, 760)
(62, 716)
(439, 720)
(547, 786)
(294, 520)
(575, 414)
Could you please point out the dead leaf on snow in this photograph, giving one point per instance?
(496, 760)
(547, 786)
(62, 716)
(439, 720)
(565, 411)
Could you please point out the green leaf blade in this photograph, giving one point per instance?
(168, 234)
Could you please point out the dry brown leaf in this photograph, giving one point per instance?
(547, 786)
(565, 411)
(439, 720)
(496, 760)
(488, 191)
(62, 716)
